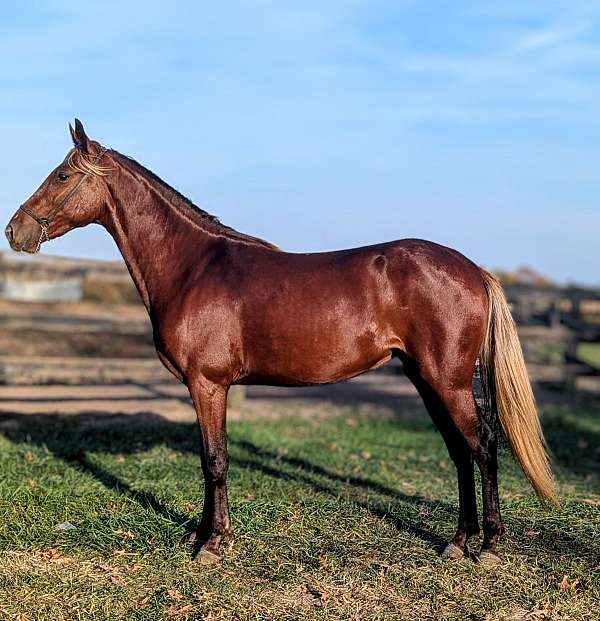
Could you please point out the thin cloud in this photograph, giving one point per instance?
(542, 39)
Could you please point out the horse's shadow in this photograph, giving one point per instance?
(72, 438)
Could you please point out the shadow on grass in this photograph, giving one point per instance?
(572, 430)
(71, 438)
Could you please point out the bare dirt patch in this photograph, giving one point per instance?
(170, 399)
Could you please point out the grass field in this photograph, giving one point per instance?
(337, 517)
(590, 352)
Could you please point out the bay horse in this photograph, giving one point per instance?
(228, 308)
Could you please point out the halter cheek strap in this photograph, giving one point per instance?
(46, 221)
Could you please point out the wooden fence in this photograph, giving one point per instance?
(553, 322)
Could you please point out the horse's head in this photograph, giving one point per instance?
(72, 195)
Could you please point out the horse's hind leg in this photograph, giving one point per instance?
(461, 455)
(481, 439)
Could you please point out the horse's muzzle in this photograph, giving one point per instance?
(21, 235)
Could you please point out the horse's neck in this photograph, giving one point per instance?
(158, 244)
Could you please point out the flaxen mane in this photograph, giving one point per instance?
(84, 163)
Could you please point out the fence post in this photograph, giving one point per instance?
(570, 360)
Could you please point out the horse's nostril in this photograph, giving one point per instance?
(8, 231)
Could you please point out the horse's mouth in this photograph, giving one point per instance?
(29, 246)
(29, 250)
(15, 246)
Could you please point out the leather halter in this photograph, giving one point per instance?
(45, 221)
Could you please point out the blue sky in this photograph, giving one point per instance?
(323, 125)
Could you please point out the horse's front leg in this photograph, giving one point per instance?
(210, 401)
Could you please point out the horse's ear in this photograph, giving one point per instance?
(80, 139)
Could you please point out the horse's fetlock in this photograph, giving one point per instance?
(473, 529)
(493, 528)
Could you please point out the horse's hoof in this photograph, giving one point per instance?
(452, 552)
(488, 559)
(206, 557)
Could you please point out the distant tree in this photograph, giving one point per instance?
(524, 275)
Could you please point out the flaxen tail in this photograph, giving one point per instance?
(507, 389)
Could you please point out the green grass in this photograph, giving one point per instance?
(590, 353)
(336, 517)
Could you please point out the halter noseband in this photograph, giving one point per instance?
(46, 221)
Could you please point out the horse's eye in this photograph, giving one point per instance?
(62, 176)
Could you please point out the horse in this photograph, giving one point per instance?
(229, 308)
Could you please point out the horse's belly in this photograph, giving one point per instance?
(318, 367)
(320, 339)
